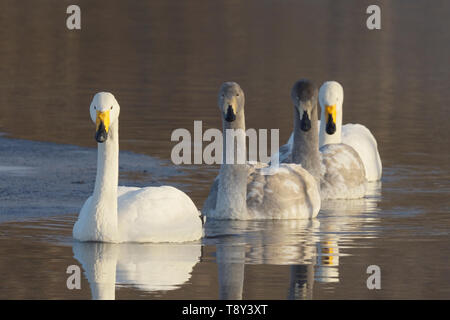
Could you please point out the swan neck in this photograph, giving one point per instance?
(107, 177)
(104, 198)
(236, 131)
(306, 145)
(232, 190)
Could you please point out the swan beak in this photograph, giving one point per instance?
(102, 126)
(229, 110)
(305, 122)
(330, 115)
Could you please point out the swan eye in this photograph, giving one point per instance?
(237, 94)
(111, 107)
(95, 108)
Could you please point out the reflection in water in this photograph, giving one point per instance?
(310, 247)
(262, 242)
(230, 261)
(301, 282)
(327, 261)
(148, 267)
(339, 217)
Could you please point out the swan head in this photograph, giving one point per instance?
(231, 100)
(331, 97)
(104, 111)
(304, 97)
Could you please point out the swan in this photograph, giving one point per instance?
(130, 214)
(340, 169)
(244, 191)
(331, 98)
(357, 136)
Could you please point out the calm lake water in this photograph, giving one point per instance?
(164, 61)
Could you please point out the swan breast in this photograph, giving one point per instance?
(289, 192)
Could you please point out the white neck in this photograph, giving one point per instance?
(104, 198)
(324, 137)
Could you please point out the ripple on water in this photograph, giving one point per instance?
(44, 179)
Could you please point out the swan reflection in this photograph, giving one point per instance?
(342, 221)
(147, 267)
(310, 247)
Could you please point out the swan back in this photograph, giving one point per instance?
(362, 140)
(289, 192)
(343, 175)
(157, 214)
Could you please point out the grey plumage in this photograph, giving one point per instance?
(337, 167)
(243, 191)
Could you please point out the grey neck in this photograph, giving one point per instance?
(306, 145)
(232, 191)
(237, 126)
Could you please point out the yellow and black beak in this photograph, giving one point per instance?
(102, 126)
(330, 115)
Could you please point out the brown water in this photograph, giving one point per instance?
(164, 61)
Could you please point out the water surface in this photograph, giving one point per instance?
(164, 61)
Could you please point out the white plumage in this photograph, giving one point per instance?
(362, 140)
(130, 214)
(151, 214)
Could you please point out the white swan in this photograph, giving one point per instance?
(130, 214)
(331, 98)
(340, 171)
(357, 136)
(243, 191)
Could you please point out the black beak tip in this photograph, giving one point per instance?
(305, 122)
(331, 126)
(331, 129)
(230, 116)
(101, 136)
(306, 126)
